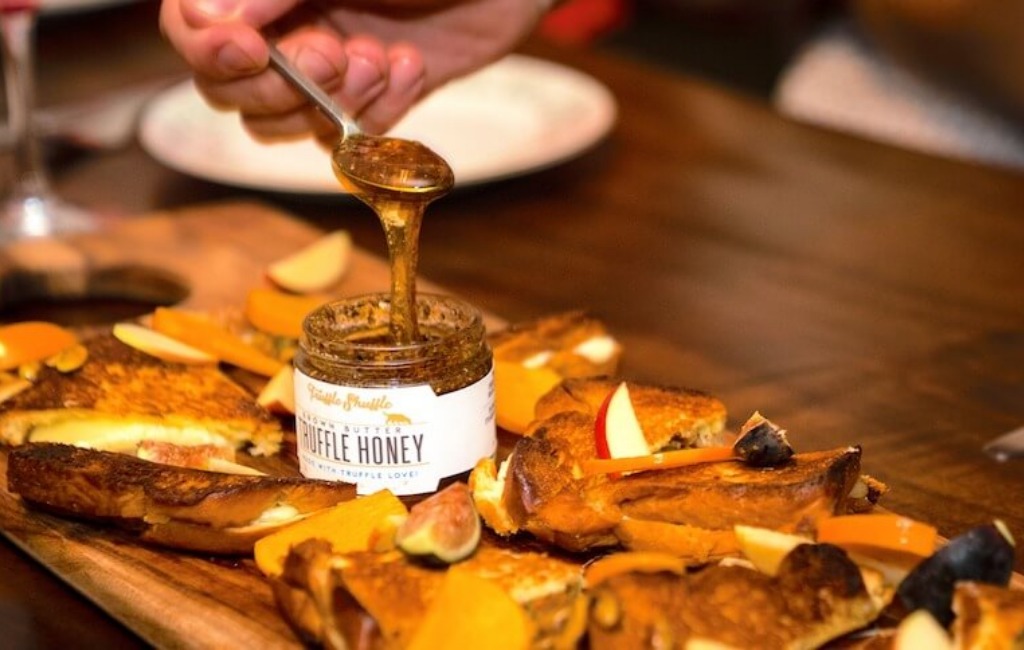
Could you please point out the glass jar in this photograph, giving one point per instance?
(409, 418)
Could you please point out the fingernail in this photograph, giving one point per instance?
(233, 58)
(407, 77)
(317, 66)
(216, 8)
(361, 77)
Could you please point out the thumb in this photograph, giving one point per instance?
(255, 13)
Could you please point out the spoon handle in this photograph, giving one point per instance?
(346, 126)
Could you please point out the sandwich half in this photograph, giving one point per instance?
(179, 507)
(689, 511)
(121, 396)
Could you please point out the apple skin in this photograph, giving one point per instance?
(617, 432)
(600, 432)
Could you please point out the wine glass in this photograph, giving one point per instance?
(30, 208)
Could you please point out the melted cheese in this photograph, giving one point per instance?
(538, 360)
(597, 349)
(112, 434)
(282, 513)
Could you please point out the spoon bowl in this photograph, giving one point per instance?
(369, 163)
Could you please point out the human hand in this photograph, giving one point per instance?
(375, 58)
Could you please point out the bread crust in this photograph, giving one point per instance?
(817, 596)
(378, 600)
(558, 337)
(173, 506)
(672, 417)
(987, 616)
(544, 492)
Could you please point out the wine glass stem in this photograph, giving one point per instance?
(18, 27)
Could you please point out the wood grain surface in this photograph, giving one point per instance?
(204, 257)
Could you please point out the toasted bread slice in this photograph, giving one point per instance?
(163, 504)
(379, 599)
(717, 496)
(541, 490)
(818, 595)
(988, 617)
(672, 418)
(121, 396)
(540, 495)
(573, 344)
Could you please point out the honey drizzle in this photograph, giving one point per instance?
(397, 178)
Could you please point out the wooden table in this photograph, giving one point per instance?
(853, 293)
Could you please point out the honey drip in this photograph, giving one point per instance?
(397, 178)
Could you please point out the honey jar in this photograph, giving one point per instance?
(406, 417)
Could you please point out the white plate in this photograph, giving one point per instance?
(516, 116)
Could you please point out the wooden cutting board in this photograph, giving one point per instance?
(209, 256)
(206, 257)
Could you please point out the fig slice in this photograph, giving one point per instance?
(762, 444)
(982, 554)
(442, 529)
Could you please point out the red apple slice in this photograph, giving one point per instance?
(617, 432)
(317, 267)
(160, 345)
(278, 396)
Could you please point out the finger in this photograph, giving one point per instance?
(366, 76)
(316, 53)
(303, 122)
(406, 84)
(199, 14)
(219, 50)
(222, 39)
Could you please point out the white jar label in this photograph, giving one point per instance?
(404, 439)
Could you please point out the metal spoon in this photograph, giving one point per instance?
(370, 163)
(1007, 446)
(397, 178)
(346, 125)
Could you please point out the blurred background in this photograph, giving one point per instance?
(938, 77)
(741, 44)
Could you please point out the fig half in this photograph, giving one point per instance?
(982, 554)
(442, 529)
(762, 444)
